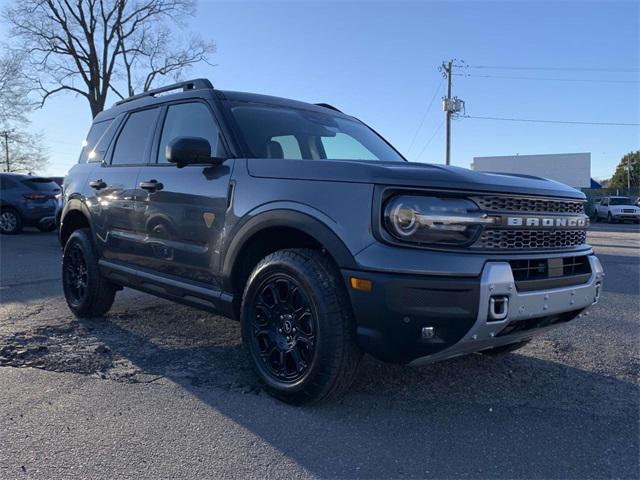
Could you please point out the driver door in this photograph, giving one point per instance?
(183, 209)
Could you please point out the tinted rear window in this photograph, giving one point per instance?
(41, 184)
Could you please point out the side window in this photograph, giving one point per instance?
(93, 137)
(135, 137)
(190, 120)
(289, 146)
(345, 147)
(605, 202)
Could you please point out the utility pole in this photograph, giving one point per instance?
(450, 105)
(628, 173)
(5, 134)
(447, 70)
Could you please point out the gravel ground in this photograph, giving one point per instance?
(158, 390)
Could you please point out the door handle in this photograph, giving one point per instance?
(151, 185)
(97, 184)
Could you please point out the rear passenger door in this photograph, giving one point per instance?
(183, 216)
(113, 184)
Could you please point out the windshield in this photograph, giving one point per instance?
(620, 201)
(290, 133)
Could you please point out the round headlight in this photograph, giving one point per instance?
(404, 220)
(434, 220)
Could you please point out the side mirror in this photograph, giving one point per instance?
(190, 151)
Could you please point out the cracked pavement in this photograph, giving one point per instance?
(158, 390)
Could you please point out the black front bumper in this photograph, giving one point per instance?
(390, 318)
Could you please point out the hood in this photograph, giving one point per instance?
(409, 174)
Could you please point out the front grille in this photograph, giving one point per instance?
(628, 210)
(528, 239)
(576, 265)
(531, 205)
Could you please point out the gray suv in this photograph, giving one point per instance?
(310, 229)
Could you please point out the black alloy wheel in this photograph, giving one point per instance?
(76, 275)
(87, 292)
(284, 328)
(298, 328)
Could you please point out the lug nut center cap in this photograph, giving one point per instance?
(287, 326)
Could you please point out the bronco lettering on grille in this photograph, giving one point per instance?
(546, 222)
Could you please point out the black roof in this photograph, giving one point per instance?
(198, 87)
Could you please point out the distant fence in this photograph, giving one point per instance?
(594, 194)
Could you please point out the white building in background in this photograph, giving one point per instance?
(573, 169)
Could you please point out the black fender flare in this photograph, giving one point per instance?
(286, 218)
(70, 205)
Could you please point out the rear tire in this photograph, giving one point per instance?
(10, 221)
(504, 349)
(298, 328)
(86, 291)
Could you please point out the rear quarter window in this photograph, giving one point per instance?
(95, 135)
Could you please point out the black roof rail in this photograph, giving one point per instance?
(196, 84)
(326, 105)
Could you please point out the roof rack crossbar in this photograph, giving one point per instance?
(196, 84)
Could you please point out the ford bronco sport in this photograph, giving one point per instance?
(317, 235)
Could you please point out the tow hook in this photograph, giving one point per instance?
(498, 308)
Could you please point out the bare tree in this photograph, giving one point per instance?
(22, 151)
(15, 102)
(89, 46)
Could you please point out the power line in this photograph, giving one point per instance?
(563, 69)
(550, 121)
(588, 80)
(424, 117)
(430, 140)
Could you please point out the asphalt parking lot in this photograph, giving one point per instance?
(157, 390)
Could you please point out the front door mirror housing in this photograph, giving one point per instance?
(190, 151)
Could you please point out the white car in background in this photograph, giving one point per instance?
(615, 209)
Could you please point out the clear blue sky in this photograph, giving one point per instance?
(378, 61)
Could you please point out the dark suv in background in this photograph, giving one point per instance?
(27, 201)
(308, 227)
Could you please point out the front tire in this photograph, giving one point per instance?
(10, 222)
(86, 291)
(298, 328)
(610, 218)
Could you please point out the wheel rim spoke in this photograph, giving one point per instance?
(76, 275)
(283, 328)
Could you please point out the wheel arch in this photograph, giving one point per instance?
(75, 215)
(274, 230)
